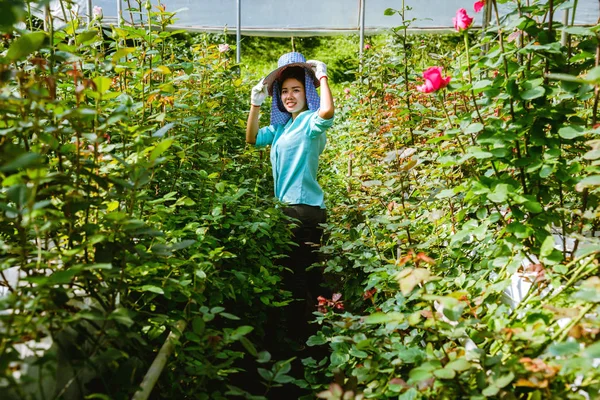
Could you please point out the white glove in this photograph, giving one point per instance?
(259, 94)
(319, 68)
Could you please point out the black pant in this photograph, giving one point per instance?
(304, 285)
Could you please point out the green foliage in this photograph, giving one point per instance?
(128, 204)
(464, 223)
(462, 234)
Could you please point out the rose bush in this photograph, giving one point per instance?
(465, 238)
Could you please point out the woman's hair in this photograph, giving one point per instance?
(291, 72)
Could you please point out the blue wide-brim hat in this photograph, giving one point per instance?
(279, 114)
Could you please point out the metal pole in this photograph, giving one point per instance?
(89, 10)
(361, 17)
(564, 35)
(119, 14)
(46, 15)
(487, 17)
(238, 33)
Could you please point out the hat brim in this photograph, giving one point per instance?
(273, 76)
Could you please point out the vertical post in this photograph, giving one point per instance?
(238, 33)
(487, 17)
(46, 16)
(120, 14)
(564, 35)
(361, 18)
(89, 11)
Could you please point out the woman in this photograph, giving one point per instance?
(299, 119)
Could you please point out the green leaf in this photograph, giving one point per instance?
(565, 77)
(500, 193)
(547, 246)
(153, 289)
(229, 316)
(490, 391)
(579, 30)
(533, 206)
(161, 132)
(161, 148)
(87, 36)
(99, 396)
(241, 331)
(22, 161)
(419, 374)
(62, 277)
(593, 76)
(563, 349)
(265, 374)
(482, 84)
(249, 346)
(474, 128)
(459, 365)
(546, 171)
(121, 315)
(338, 358)
(444, 373)
(408, 278)
(592, 351)
(354, 352)
(444, 194)
(593, 180)
(283, 379)
(383, 318)
(316, 340)
(198, 325)
(122, 52)
(588, 294)
(571, 131)
(102, 84)
(504, 380)
(533, 93)
(479, 153)
(389, 11)
(263, 357)
(410, 394)
(25, 45)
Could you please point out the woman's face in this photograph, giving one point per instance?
(293, 96)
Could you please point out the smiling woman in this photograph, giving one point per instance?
(299, 120)
(293, 95)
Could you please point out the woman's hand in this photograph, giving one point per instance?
(326, 108)
(319, 68)
(259, 94)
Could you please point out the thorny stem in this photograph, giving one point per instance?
(462, 147)
(561, 335)
(584, 201)
(576, 275)
(596, 89)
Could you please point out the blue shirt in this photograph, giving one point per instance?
(295, 150)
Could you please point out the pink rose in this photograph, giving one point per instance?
(347, 90)
(97, 11)
(462, 21)
(367, 46)
(223, 48)
(433, 80)
(478, 6)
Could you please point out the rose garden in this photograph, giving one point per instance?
(462, 185)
